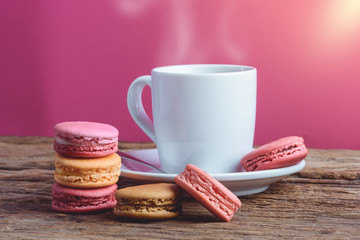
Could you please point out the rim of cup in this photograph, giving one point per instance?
(204, 69)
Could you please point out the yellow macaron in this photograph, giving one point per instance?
(87, 173)
(149, 201)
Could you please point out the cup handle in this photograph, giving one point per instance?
(136, 107)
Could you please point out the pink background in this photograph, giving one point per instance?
(74, 60)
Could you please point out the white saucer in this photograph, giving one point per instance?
(240, 183)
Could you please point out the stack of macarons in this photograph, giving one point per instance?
(86, 167)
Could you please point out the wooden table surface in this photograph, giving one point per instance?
(320, 202)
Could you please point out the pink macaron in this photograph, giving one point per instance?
(85, 139)
(209, 192)
(75, 200)
(283, 152)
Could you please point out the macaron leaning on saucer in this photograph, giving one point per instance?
(87, 172)
(85, 139)
(281, 153)
(208, 191)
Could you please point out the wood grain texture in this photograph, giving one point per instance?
(320, 202)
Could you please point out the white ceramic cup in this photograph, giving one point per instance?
(202, 114)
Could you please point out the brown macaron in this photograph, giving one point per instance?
(149, 201)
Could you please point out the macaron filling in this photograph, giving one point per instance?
(81, 140)
(209, 191)
(71, 171)
(147, 205)
(290, 149)
(98, 176)
(59, 147)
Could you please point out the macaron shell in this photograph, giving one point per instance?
(89, 193)
(86, 129)
(151, 213)
(86, 182)
(69, 200)
(209, 192)
(283, 152)
(85, 209)
(88, 163)
(149, 191)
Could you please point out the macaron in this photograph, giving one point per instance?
(85, 139)
(87, 172)
(281, 153)
(209, 192)
(73, 200)
(149, 201)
